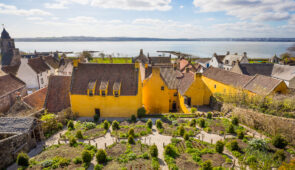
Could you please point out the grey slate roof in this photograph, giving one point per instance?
(283, 72)
(253, 69)
(16, 124)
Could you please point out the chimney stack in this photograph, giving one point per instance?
(227, 53)
(245, 54)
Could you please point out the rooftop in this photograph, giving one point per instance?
(16, 124)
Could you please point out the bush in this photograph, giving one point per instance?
(96, 118)
(115, 125)
(141, 112)
(279, 155)
(89, 125)
(251, 160)
(98, 167)
(73, 142)
(241, 134)
(159, 124)
(219, 146)
(70, 125)
(181, 131)
(234, 146)
(154, 151)
(231, 129)
(279, 142)
(209, 115)
(186, 136)
(106, 125)
(193, 110)
(131, 140)
(79, 134)
(202, 123)
(133, 118)
(258, 144)
(207, 165)
(101, 156)
(149, 124)
(155, 163)
(86, 156)
(60, 126)
(22, 159)
(131, 132)
(235, 121)
(192, 123)
(77, 160)
(170, 150)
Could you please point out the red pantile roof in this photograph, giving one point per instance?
(11, 69)
(37, 99)
(38, 64)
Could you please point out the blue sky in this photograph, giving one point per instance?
(149, 18)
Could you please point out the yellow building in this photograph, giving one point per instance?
(108, 90)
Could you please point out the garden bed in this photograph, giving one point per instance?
(171, 128)
(140, 129)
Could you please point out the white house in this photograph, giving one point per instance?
(65, 67)
(52, 63)
(34, 72)
(227, 61)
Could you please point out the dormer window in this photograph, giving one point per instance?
(117, 88)
(104, 87)
(91, 87)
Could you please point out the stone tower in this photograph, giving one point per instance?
(10, 54)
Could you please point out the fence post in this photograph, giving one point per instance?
(105, 145)
(96, 145)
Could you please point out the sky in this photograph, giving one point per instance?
(149, 18)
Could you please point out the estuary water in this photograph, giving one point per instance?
(131, 48)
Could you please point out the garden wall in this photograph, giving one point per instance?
(270, 124)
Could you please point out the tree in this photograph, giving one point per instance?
(131, 132)
(234, 146)
(106, 125)
(193, 123)
(79, 134)
(131, 140)
(185, 136)
(181, 130)
(219, 146)
(240, 134)
(231, 129)
(141, 112)
(70, 125)
(209, 115)
(22, 159)
(207, 165)
(235, 121)
(279, 142)
(101, 156)
(86, 156)
(202, 123)
(73, 142)
(115, 125)
(170, 150)
(159, 124)
(133, 118)
(154, 151)
(86, 54)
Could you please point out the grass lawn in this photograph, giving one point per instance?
(89, 130)
(140, 129)
(118, 60)
(123, 155)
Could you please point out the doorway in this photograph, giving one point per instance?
(97, 112)
(174, 107)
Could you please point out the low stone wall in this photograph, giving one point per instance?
(10, 147)
(214, 104)
(270, 124)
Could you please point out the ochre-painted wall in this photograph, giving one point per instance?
(217, 87)
(154, 99)
(110, 106)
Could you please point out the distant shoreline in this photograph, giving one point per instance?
(129, 39)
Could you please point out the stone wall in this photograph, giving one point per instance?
(7, 101)
(272, 125)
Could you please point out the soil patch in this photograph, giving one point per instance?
(185, 162)
(217, 159)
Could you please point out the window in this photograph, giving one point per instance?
(116, 94)
(162, 87)
(175, 94)
(42, 81)
(214, 86)
(103, 93)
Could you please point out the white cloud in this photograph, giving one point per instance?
(35, 18)
(257, 10)
(83, 19)
(181, 6)
(292, 19)
(62, 4)
(13, 10)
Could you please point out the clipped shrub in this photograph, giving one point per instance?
(240, 134)
(77, 160)
(186, 136)
(86, 156)
(279, 155)
(279, 142)
(170, 150)
(96, 118)
(192, 123)
(181, 130)
(155, 163)
(89, 125)
(149, 124)
(133, 118)
(235, 121)
(101, 156)
(234, 146)
(131, 140)
(154, 151)
(131, 132)
(251, 160)
(258, 144)
(22, 159)
(202, 123)
(193, 110)
(73, 142)
(207, 165)
(106, 125)
(209, 115)
(79, 134)
(219, 146)
(115, 125)
(231, 129)
(141, 112)
(60, 126)
(70, 125)
(98, 167)
(159, 124)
